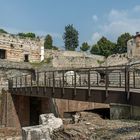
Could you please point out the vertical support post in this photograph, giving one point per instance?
(9, 84)
(53, 83)
(25, 83)
(49, 82)
(12, 83)
(20, 83)
(89, 85)
(66, 80)
(97, 79)
(6, 110)
(16, 84)
(45, 83)
(37, 82)
(134, 83)
(63, 82)
(31, 80)
(74, 83)
(72, 80)
(80, 80)
(127, 82)
(120, 80)
(106, 81)
(60, 82)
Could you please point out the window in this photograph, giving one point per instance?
(26, 58)
(2, 54)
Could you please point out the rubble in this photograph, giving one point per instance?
(91, 126)
(48, 124)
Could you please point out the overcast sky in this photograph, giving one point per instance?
(92, 18)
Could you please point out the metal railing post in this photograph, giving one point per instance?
(25, 84)
(20, 83)
(127, 82)
(53, 83)
(31, 80)
(37, 82)
(63, 82)
(74, 83)
(9, 84)
(134, 84)
(97, 79)
(120, 80)
(106, 81)
(16, 83)
(12, 83)
(45, 83)
(80, 80)
(89, 84)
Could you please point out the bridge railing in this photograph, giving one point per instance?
(95, 77)
(125, 77)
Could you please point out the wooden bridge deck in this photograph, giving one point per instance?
(113, 85)
(97, 94)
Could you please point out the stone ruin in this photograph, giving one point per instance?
(17, 49)
(48, 124)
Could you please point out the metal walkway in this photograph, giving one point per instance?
(116, 84)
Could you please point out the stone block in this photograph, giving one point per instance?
(48, 124)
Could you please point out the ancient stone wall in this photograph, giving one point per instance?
(72, 59)
(16, 48)
(117, 59)
(65, 106)
(133, 47)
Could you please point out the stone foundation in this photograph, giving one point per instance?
(121, 111)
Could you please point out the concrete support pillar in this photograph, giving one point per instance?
(135, 112)
(120, 111)
(22, 105)
(9, 114)
(45, 105)
(123, 111)
(15, 110)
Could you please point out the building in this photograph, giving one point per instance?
(133, 47)
(17, 49)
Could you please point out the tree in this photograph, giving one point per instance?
(103, 47)
(24, 35)
(106, 47)
(48, 44)
(30, 35)
(85, 47)
(55, 48)
(95, 49)
(3, 31)
(122, 42)
(70, 38)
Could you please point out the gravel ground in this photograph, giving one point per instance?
(7, 133)
(93, 127)
(88, 126)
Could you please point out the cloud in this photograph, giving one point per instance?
(137, 8)
(95, 37)
(117, 22)
(95, 18)
(117, 15)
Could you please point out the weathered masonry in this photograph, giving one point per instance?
(133, 46)
(14, 48)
